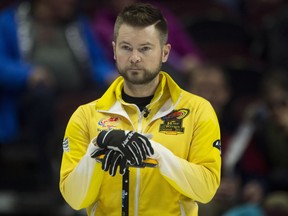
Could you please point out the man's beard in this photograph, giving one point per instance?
(145, 76)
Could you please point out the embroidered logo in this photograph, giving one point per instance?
(217, 144)
(66, 147)
(173, 122)
(110, 122)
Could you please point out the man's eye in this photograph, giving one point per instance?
(125, 48)
(145, 49)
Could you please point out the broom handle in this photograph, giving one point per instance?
(125, 193)
(125, 182)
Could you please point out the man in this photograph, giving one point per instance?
(45, 46)
(271, 135)
(47, 56)
(144, 113)
(211, 82)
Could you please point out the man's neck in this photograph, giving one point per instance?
(141, 90)
(141, 102)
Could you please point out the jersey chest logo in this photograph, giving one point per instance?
(109, 123)
(172, 123)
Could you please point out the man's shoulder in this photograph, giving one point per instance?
(193, 98)
(89, 105)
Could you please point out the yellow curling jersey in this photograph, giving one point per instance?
(184, 132)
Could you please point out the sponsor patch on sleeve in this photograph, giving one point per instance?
(66, 147)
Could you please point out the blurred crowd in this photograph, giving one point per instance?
(56, 55)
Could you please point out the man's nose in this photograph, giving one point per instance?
(135, 57)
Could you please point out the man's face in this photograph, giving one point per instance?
(211, 85)
(277, 102)
(138, 53)
(63, 9)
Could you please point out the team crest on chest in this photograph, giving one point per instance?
(110, 122)
(173, 122)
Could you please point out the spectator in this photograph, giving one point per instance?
(213, 83)
(47, 55)
(273, 133)
(265, 190)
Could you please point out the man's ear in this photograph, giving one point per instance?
(165, 52)
(114, 49)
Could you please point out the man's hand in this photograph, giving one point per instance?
(113, 140)
(139, 146)
(133, 146)
(111, 161)
(41, 76)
